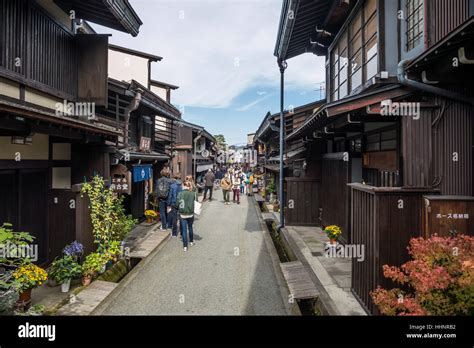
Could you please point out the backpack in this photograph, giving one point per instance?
(163, 188)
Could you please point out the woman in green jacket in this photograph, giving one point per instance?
(186, 200)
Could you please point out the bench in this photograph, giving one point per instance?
(298, 280)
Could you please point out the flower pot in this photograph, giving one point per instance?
(86, 280)
(333, 241)
(66, 285)
(149, 220)
(25, 296)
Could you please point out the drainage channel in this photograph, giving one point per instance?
(307, 307)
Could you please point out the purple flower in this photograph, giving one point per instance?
(74, 249)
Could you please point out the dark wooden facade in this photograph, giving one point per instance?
(383, 195)
(45, 64)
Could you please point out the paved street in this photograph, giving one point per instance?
(227, 272)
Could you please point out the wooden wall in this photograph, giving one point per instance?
(46, 49)
(443, 16)
(335, 193)
(384, 229)
(431, 144)
(305, 194)
(62, 220)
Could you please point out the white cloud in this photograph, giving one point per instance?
(253, 103)
(215, 50)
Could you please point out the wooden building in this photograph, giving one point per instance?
(396, 133)
(297, 166)
(146, 120)
(53, 78)
(195, 150)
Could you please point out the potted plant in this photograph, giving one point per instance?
(114, 250)
(63, 270)
(333, 232)
(26, 278)
(75, 250)
(14, 241)
(92, 265)
(150, 215)
(270, 189)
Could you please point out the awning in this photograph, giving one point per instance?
(205, 167)
(115, 14)
(142, 172)
(32, 111)
(273, 168)
(330, 112)
(458, 38)
(145, 156)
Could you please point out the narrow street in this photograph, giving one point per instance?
(227, 272)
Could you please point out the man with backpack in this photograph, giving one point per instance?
(172, 203)
(162, 191)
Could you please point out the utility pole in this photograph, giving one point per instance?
(199, 136)
(282, 65)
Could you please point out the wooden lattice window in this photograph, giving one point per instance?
(415, 23)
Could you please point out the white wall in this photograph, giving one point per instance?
(39, 150)
(161, 92)
(125, 67)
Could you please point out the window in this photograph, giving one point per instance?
(335, 74)
(146, 126)
(370, 42)
(354, 58)
(356, 145)
(343, 66)
(415, 23)
(382, 141)
(356, 51)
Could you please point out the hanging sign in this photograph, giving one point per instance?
(142, 173)
(145, 144)
(121, 181)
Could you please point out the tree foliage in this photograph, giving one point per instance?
(438, 281)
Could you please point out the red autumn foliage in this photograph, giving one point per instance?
(440, 279)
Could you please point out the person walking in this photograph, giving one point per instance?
(208, 184)
(190, 180)
(162, 191)
(251, 182)
(186, 200)
(172, 203)
(236, 187)
(242, 182)
(226, 185)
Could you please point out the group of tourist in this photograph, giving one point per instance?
(176, 199)
(176, 205)
(239, 182)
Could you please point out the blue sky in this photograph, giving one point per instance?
(220, 53)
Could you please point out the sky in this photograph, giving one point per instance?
(220, 54)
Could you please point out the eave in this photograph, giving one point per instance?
(115, 14)
(309, 26)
